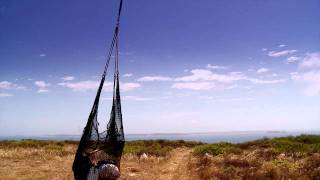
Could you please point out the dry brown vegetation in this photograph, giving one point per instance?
(278, 158)
(281, 158)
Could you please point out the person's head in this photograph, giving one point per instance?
(108, 172)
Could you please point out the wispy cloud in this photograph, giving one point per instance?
(263, 70)
(68, 78)
(194, 85)
(136, 98)
(129, 86)
(154, 78)
(128, 75)
(292, 59)
(261, 81)
(209, 66)
(282, 45)
(42, 55)
(43, 86)
(264, 49)
(233, 99)
(281, 53)
(42, 90)
(206, 75)
(2, 95)
(202, 79)
(82, 86)
(132, 98)
(9, 85)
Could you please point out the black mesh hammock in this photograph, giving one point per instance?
(106, 147)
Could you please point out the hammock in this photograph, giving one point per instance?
(102, 148)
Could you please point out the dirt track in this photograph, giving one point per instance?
(173, 167)
(176, 166)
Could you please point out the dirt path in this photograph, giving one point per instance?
(173, 167)
(176, 166)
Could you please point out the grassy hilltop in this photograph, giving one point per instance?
(278, 158)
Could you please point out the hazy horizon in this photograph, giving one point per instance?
(186, 66)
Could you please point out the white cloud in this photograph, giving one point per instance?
(132, 98)
(292, 59)
(206, 75)
(209, 66)
(5, 95)
(136, 98)
(236, 99)
(260, 81)
(202, 79)
(309, 74)
(312, 60)
(93, 85)
(194, 85)
(68, 78)
(129, 86)
(154, 78)
(84, 85)
(9, 85)
(282, 45)
(281, 53)
(264, 49)
(42, 55)
(263, 70)
(311, 79)
(273, 75)
(42, 90)
(128, 75)
(42, 86)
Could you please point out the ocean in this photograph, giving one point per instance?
(231, 137)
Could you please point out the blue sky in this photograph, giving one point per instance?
(186, 66)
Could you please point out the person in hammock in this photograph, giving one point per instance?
(99, 154)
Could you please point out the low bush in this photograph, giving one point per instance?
(213, 149)
(30, 143)
(156, 147)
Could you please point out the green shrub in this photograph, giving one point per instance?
(133, 149)
(155, 147)
(213, 149)
(233, 150)
(302, 144)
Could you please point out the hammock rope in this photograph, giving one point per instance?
(97, 148)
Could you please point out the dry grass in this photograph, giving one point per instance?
(281, 158)
(32, 159)
(278, 158)
(36, 163)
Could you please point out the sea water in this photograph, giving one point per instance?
(214, 137)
